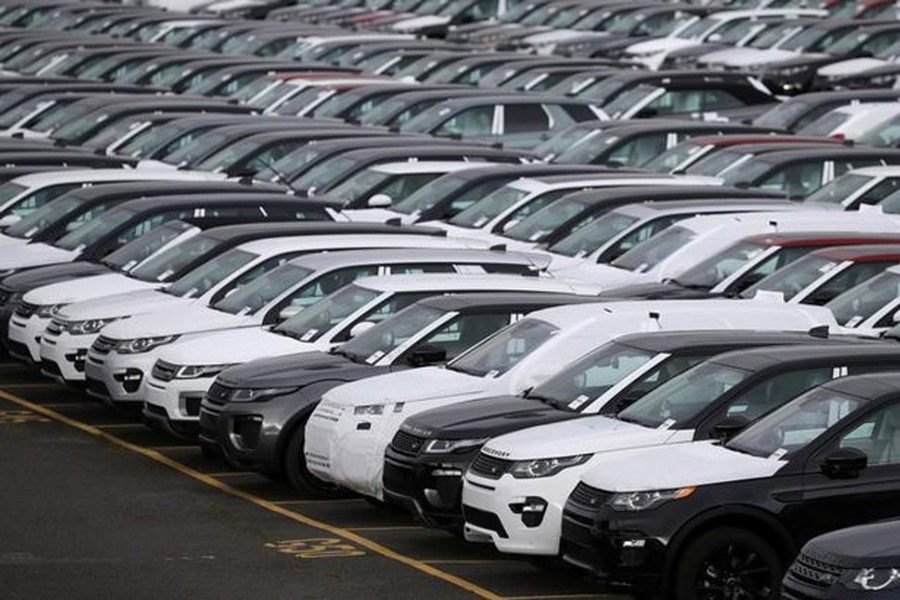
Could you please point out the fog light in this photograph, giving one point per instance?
(130, 380)
(634, 543)
(446, 473)
(77, 359)
(531, 510)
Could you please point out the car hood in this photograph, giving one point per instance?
(867, 546)
(587, 435)
(555, 36)
(659, 45)
(419, 22)
(485, 417)
(122, 305)
(41, 276)
(854, 66)
(745, 57)
(33, 255)
(415, 385)
(231, 346)
(372, 215)
(86, 288)
(295, 370)
(181, 320)
(697, 463)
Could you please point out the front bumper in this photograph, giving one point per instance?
(25, 336)
(118, 379)
(175, 405)
(63, 355)
(495, 510)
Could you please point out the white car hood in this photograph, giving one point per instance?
(414, 385)
(587, 435)
(374, 215)
(86, 288)
(697, 463)
(33, 255)
(232, 346)
(854, 66)
(553, 37)
(181, 320)
(122, 305)
(659, 45)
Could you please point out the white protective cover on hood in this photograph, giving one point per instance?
(231, 346)
(34, 255)
(181, 320)
(87, 288)
(122, 305)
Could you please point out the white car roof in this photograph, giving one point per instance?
(534, 186)
(727, 15)
(854, 110)
(316, 242)
(95, 175)
(432, 166)
(886, 171)
(808, 217)
(473, 282)
(327, 260)
(647, 210)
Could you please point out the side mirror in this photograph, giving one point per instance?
(729, 427)
(361, 327)
(288, 311)
(845, 463)
(427, 355)
(379, 201)
(9, 220)
(895, 317)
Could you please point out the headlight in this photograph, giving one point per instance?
(139, 345)
(257, 394)
(447, 446)
(369, 409)
(789, 71)
(48, 310)
(86, 327)
(636, 501)
(875, 580)
(197, 371)
(545, 467)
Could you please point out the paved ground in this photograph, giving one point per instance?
(95, 505)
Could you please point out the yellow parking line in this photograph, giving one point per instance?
(341, 532)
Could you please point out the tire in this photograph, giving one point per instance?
(721, 563)
(298, 475)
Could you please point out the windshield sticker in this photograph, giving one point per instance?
(778, 454)
(492, 373)
(578, 402)
(127, 266)
(374, 357)
(854, 321)
(666, 424)
(481, 221)
(310, 334)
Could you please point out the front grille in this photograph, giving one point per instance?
(218, 393)
(26, 309)
(164, 371)
(407, 443)
(585, 495)
(484, 520)
(104, 345)
(815, 573)
(490, 467)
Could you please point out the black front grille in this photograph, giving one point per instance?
(218, 393)
(407, 443)
(26, 309)
(490, 467)
(5, 295)
(588, 497)
(164, 371)
(104, 345)
(815, 573)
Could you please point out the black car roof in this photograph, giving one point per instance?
(848, 95)
(763, 358)
(104, 190)
(624, 128)
(224, 199)
(650, 192)
(473, 301)
(238, 234)
(428, 146)
(872, 386)
(525, 170)
(512, 97)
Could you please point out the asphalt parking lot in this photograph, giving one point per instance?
(95, 505)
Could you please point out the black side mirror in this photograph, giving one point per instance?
(241, 172)
(845, 463)
(729, 427)
(427, 355)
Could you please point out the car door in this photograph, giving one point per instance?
(829, 503)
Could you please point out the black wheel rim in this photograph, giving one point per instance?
(735, 572)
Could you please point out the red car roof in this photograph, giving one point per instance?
(816, 239)
(864, 253)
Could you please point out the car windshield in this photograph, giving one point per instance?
(195, 148)
(165, 265)
(386, 337)
(586, 150)
(793, 278)
(112, 132)
(699, 29)
(10, 190)
(360, 185)
(684, 397)
(771, 36)
(545, 221)
(73, 131)
(790, 428)
(626, 101)
(318, 318)
(858, 304)
(227, 156)
(291, 163)
(296, 105)
(718, 267)
(43, 217)
(567, 139)
(151, 138)
(576, 387)
(94, 230)
(489, 207)
(199, 280)
(670, 159)
(595, 234)
(783, 115)
(803, 39)
(323, 175)
(71, 114)
(429, 195)
(826, 124)
(749, 172)
(504, 350)
(249, 298)
(717, 162)
(648, 254)
(135, 251)
(838, 190)
(11, 117)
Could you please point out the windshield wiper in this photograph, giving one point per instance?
(555, 403)
(690, 286)
(348, 355)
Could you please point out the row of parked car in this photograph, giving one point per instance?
(610, 286)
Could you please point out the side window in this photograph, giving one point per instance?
(880, 191)
(419, 268)
(328, 283)
(850, 277)
(719, 100)
(636, 152)
(775, 391)
(842, 166)
(462, 333)
(878, 436)
(478, 120)
(639, 235)
(525, 118)
(797, 179)
(578, 112)
(674, 101)
(781, 258)
(260, 269)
